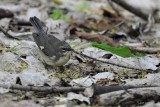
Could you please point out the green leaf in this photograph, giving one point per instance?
(83, 7)
(122, 51)
(58, 14)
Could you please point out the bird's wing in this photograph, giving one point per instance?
(52, 46)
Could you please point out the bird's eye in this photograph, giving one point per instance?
(63, 49)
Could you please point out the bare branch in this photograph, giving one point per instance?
(42, 89)
(107, 62)
(132, 9)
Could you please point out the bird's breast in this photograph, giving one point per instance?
(53, 61)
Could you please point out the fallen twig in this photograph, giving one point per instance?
(145, 50)
(107, 62)
(130, 8)
(129, 97)
(42, 89)
(5, 13)
(97, 90)
(7, 34)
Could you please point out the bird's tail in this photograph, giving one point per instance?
(37, 25)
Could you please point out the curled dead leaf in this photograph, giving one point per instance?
(97, 38)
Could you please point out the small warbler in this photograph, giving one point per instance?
(53, 51)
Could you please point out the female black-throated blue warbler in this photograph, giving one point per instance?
(53, 51)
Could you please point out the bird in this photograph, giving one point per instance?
(53, 51)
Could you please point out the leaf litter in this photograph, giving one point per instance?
(91, 28)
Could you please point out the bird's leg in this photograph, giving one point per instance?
(49, 68)
(61, 68)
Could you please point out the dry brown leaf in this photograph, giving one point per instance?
(109, 13)
(97, 38)
(101, 25)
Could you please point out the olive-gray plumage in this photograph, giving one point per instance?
(52, 48)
